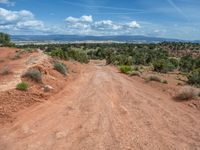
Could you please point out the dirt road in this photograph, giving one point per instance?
(105, 110)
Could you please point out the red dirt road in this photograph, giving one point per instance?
(104, 110)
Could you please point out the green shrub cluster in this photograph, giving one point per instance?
(163, 57)
(163, 65)
(194, 77)
(58, 53)
(5, 39)
(188, 63)
(78, 55)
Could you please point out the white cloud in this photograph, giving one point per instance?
(86, 25)
(31, 24)
(106, 24)
(23, 20)
(8, 16)
(134, 24)
(86, 19)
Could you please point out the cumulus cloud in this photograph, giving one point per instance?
(84, 19)
(86, 25)
(19, 21)
(134, 24)
(24, 22)
(106, 24)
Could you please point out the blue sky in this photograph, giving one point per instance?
(161, 18)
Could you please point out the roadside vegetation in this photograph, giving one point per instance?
(163, 57)
(131, 59)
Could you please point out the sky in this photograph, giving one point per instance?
(178, 19)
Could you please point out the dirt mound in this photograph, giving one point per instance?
(12, 100)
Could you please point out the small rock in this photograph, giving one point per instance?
(60, 135)
(47, 88)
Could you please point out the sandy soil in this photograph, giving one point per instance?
(102, 109)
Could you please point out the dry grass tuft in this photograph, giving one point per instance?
(6, 70)
(187, 93)
(153, 78)
(33, 74)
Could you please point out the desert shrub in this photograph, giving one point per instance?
(174, 62)
(19, 53)
(22, 86)
(5, 39)
(5, 71)
(100, 53)
(163, 66)
(120, 59)
(78, 55)
(125, 69)
(134, 73)
(153, 78)
(33, 74)
(164, 81)
(187, 63)
(58, 53)
(60, 67)
(187, 93)
(137, 68)
(194, 77)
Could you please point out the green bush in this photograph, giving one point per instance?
(5, 39)
(58, 53)
(163, 66)
(187, 63)
(174, 61)
(78, 55)
(60, 67)
(22, 86)
(194, 77)
(33, 74)
(125, 69)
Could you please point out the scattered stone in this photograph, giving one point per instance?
(47, 88)
(61, 134)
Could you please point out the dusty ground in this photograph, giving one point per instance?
(96, 107)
